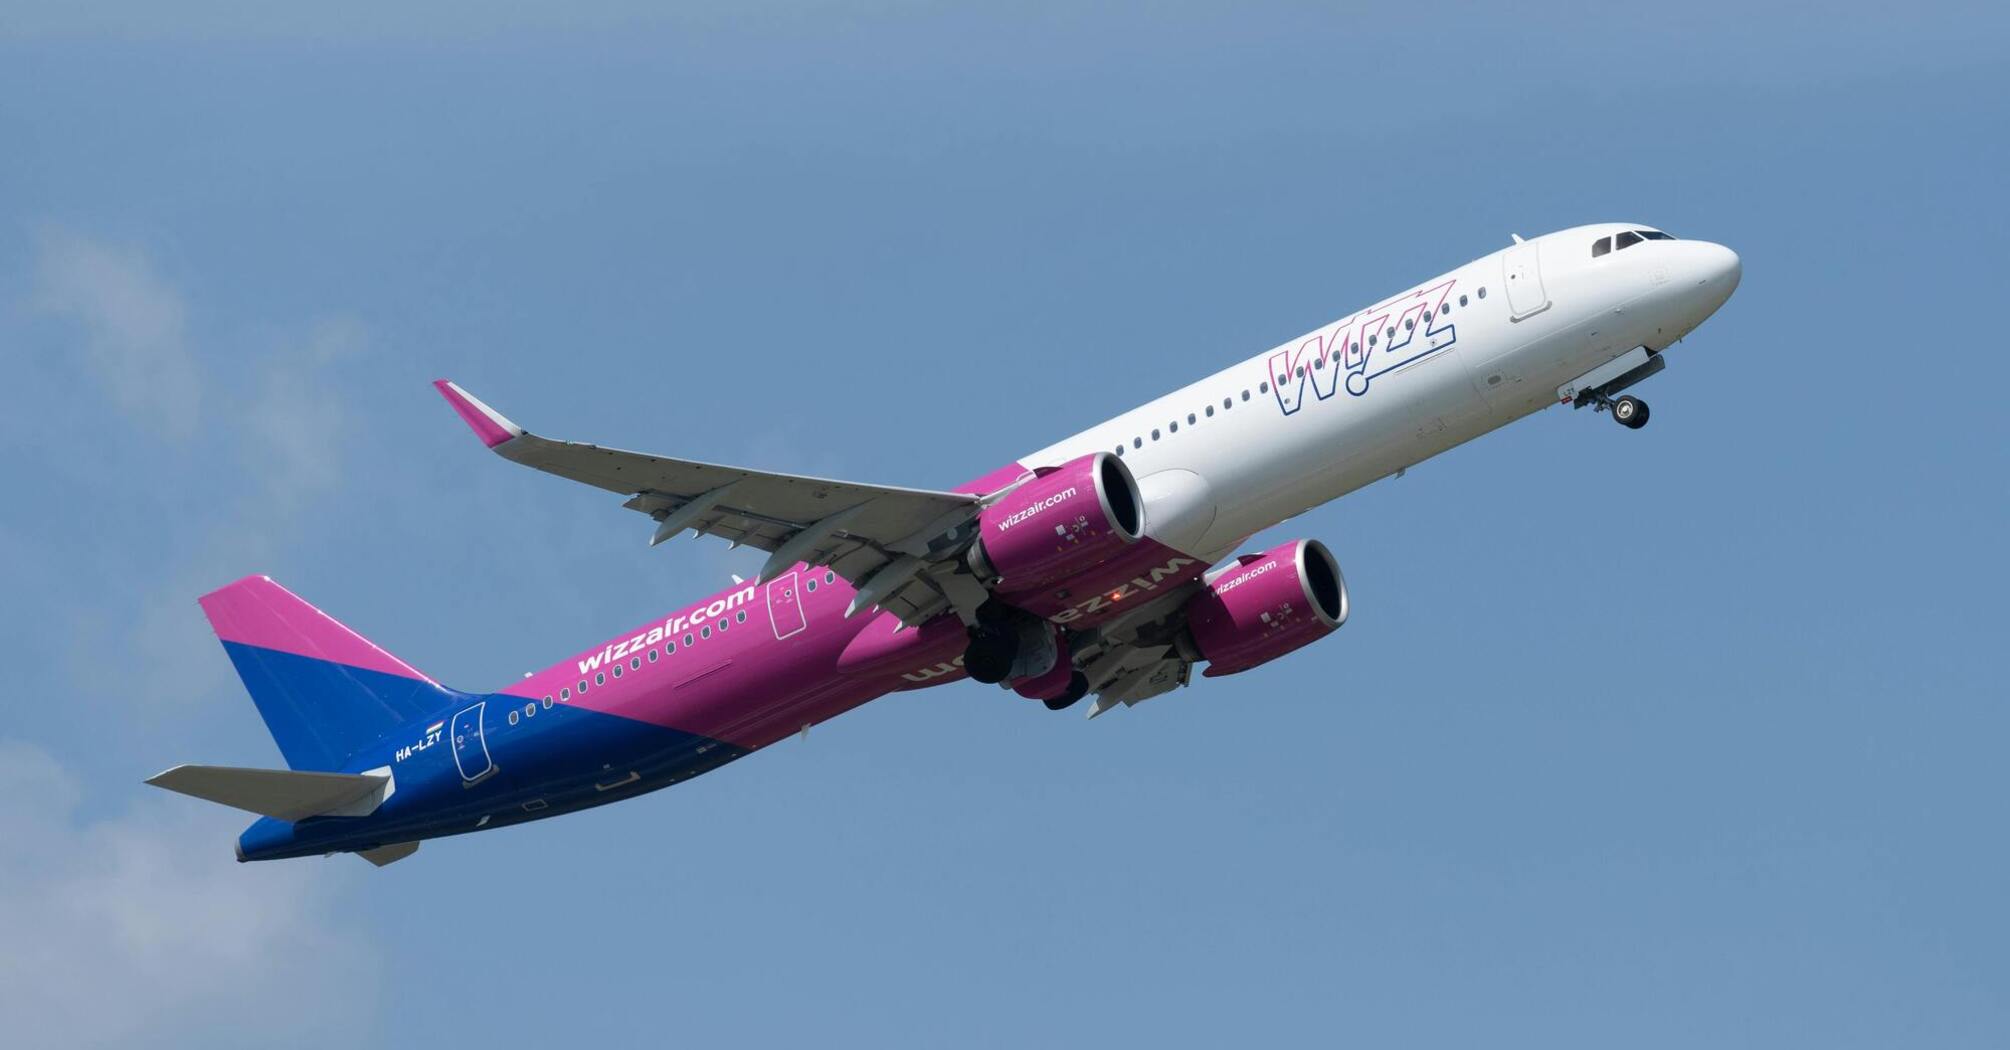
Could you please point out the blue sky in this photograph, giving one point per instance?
(1690, 736)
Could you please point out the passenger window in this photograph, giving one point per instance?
(582, 687)
(740, 617)
(704, 632)
(1626, 240)
(1174, 425)
(565, 694)
(689, 641)
(600, 679)
(652, 656)
(635, 664)
(1189, 419)
(1601, 246)
(1462, 300)
(1210, 411)
(1137, 442)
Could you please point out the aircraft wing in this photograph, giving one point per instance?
(877, 537)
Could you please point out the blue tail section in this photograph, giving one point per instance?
(324, 691)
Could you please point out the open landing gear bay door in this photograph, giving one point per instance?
(893, 544)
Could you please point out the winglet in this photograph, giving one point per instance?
(491, 426)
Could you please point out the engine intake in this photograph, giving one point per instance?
(1063, 521)
(1267, 605)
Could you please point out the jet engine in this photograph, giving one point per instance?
(1266, 605)
(1064, 520)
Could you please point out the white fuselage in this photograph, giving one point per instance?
(1255, 444)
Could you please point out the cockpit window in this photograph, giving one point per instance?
(1601, 246)
(1626, 240)
(1657, 235)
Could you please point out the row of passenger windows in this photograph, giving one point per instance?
(1409, 324)
(653, 655)
(1627, 240)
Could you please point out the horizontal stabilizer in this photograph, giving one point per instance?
(392, 853)
(280, 793)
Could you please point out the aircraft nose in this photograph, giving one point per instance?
(1713, 272)
(1721, 266)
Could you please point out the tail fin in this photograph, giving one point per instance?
(324, 691)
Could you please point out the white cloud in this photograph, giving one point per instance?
(133, 323)
(282, 414)
(294, 427)
(142, 928)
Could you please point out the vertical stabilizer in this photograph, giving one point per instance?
(324, 691)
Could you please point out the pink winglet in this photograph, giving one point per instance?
(488, 424)
(257, 611)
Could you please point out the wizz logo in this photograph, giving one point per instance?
(1403, 330)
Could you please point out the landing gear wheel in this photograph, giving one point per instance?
(1629, 412)
(1078, 687)
(989, 656)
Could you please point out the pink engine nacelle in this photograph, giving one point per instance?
(1063, 521)
(1267, 605)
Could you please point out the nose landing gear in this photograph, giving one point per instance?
(1597, 387)
(1628, 411)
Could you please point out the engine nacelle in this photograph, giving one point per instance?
(1267, 605)
(1066, 520)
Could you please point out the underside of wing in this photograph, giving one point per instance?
(894, 544)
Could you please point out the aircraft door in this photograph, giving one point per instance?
(785, 605)
(471, 748)
(1522, 274)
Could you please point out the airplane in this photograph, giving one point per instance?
(1097, 565)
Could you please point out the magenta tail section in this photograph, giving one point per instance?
(324, 691)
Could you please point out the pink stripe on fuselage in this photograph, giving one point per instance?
(257, 611)
(742, 685)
